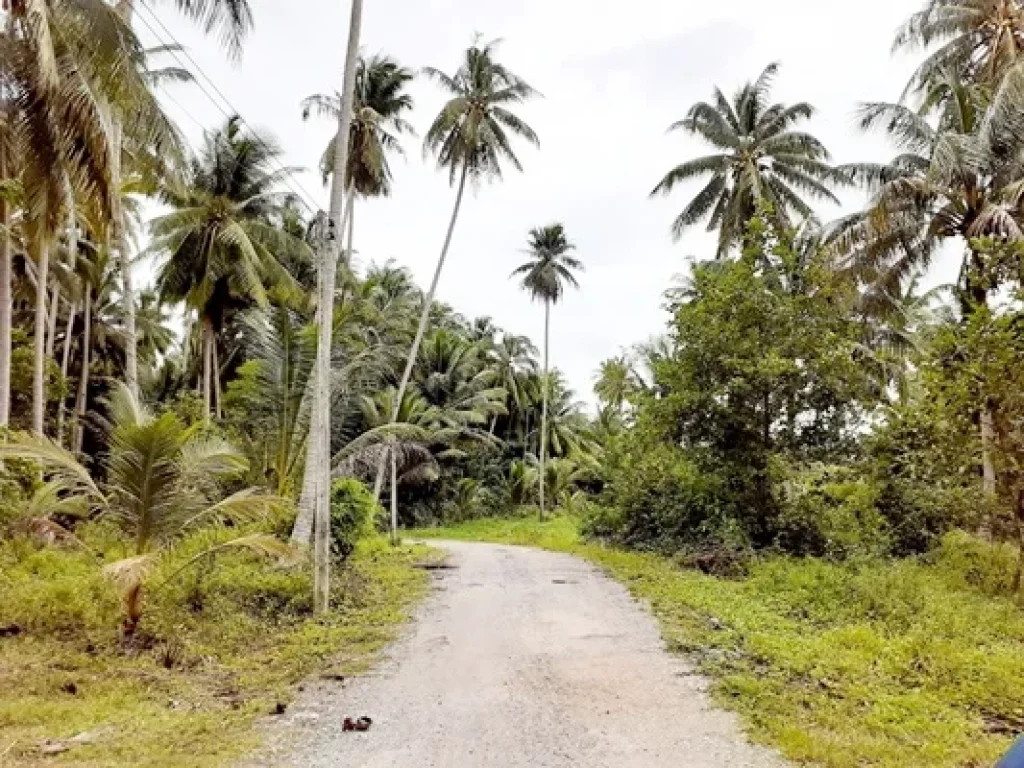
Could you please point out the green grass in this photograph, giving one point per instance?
(880, 663)
(222, 650)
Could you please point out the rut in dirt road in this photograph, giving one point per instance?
(521, 658)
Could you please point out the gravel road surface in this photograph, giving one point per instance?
(521, 658)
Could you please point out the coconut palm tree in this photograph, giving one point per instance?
(221, 244)
(231, 20)
(58, 61)
(545, 277)
(615, 382)
(163, 482)
(980, 39)
(511, 362)
(958, 181)
(471, 138)
(318, 462)
(953, 181)
(381, 100)
(760, 158)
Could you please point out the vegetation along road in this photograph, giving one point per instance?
(522, 658)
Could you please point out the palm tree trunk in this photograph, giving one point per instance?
(216, 376)
(318, 460)
(424, 319)
(126, 9)
(394, 497)
(65, 360)
(39, 358)
(51, 330)
(302, 529)
(5, 304)
(544, 410)
(207, 365)
(82, 398)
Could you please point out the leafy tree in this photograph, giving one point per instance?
(758, 373)
(761, 158)
(956, 182)
(545, 276)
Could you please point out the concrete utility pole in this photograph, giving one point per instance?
(318, 460)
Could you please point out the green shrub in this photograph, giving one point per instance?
(55, 590)
(658, 497)
(828, 511)
(352, 514)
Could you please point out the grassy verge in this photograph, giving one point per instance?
(910, 663)
(223, 648)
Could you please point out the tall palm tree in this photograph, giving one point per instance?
(59, 59)
(958, 181)
(222, 247)
(318, 463)
(545, 277)
(471, 137)
(511, 362)
(953, 181)
(980, 39)
(615, 382)
(761, 158)
(232, 20)
(381, 100)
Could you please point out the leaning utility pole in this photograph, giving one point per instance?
(318, 457)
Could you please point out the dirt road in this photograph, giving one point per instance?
(522, 658)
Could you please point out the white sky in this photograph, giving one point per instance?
(614, 75)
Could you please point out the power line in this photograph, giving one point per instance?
(174, 48)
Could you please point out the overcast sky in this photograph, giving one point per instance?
(614, 75)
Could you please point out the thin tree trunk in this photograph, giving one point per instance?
(424, 319)
(65, 361)
(51, 331)
(394, 497)
(988, 467)
(318, 460)
(302, 529)
(207, 366)
(72, 308)
(544, 410)
(126, 9)
(216, 376)
(1020, 539)
(39, 361)
(5, 303)
(81, 401)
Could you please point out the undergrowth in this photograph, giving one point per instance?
(218, 647)
(916, 662)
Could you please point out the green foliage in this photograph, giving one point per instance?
(762, 373)
(659, 497)
(353, 511)
(223, 646)
(829, 512)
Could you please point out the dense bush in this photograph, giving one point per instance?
(352, 515)
(828, 512)
(658, 497)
